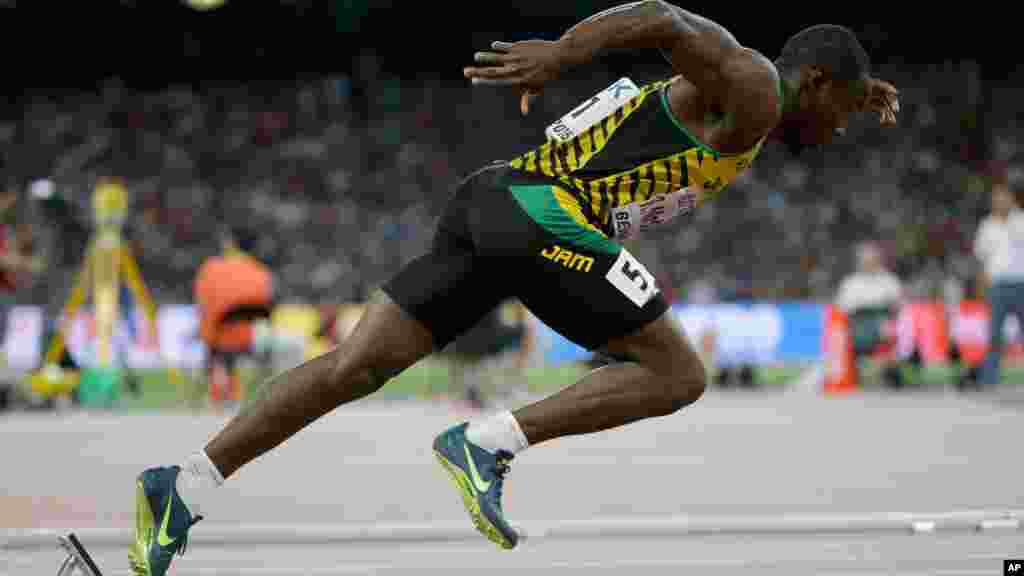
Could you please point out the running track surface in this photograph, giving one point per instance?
(732, 460)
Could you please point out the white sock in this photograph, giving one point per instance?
(195, 484)
(498, 432)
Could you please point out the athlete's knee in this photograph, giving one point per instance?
(368, 373)
(378, 375)
(688, 386)
(684, 381)
(384, 343)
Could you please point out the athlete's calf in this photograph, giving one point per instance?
(384, 343)
(662, 375)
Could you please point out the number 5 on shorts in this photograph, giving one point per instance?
(631, 278)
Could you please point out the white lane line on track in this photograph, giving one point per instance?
(346, 569)
(669, 526)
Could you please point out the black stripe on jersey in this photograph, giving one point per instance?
(634, 185)
(598, 200)
(577, 149)
(563, 158)
(610, 191)
(580, 191)
(599, 129)
(546, 164)
(557, 161)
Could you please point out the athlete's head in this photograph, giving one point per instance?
(825, 70)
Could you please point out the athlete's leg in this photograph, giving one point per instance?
(663, 375)
(170, 500)
(583, 285)
(594, 292)
(385, 341)
(424, 307)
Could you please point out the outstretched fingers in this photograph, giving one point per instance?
(507, 75)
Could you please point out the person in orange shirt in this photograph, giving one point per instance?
(234, 293)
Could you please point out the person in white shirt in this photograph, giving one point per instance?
(871, 297)
(999, 246)
(872, 285)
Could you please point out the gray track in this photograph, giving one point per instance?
(767, 456)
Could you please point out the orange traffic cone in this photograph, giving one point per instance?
(840, 370)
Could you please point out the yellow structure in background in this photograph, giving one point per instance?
(107, 262)
(110, 206)
(302, 321)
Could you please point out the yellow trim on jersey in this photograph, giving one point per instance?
(571, 205)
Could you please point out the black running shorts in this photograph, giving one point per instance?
(506, 233)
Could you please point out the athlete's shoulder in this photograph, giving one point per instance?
(754, 88)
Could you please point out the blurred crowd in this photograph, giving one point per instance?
(336, 182)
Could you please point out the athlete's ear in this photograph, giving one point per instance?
(815, 77)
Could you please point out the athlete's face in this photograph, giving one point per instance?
(823, 112)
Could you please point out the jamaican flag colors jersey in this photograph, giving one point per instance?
(624, 146)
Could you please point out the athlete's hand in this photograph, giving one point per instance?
(526, 65)
(882, 99)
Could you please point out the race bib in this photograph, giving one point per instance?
(586, 115)
(631, 220)
(630, 277)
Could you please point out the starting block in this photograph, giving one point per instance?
(78, 560)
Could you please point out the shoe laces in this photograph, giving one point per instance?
(500, 469)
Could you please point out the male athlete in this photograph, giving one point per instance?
(544, 227)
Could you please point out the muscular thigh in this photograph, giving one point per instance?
(505, 233)
(453, 285)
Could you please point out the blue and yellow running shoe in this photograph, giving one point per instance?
(161, 522)
(479, 477)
